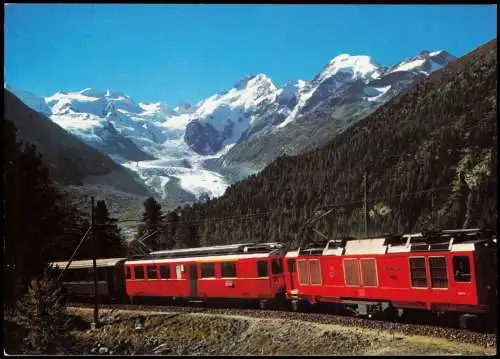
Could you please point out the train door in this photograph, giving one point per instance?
(193, 279)
(291, 272)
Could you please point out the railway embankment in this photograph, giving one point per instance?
(198, 333)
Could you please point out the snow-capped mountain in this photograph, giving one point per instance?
(348, 89)
(425, 62)
(171, 148)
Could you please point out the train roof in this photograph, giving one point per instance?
(223, 250)
(88, 263)
(445, 240)
(211, 249)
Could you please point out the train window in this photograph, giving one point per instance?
(101, 274)
(315, 271)
(86, 274)
(439, 272)
(139, 272)
(152, 272)
(351, 272)
(128, 274)
(303, 272)
(228, 269)
(79, 275)
(417, 271)
(369, 270)
(165, 271)
(291, 266)
(276, 266)
(261, 268)
(461, 269)
(207, 270)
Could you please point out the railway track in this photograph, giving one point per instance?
(425, 327)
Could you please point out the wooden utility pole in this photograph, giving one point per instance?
(94, 265)
(365, 206)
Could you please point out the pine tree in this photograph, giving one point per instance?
(187, 236)
(170, 229)
(42, 312)
(152, 223)
(109, 241)
(36, 220)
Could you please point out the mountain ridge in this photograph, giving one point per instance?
(244, 127)
(70, 161)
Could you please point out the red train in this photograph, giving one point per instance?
(447, 271)
(239, 271)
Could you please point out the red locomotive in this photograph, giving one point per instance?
(447, 271)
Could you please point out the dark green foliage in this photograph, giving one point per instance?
(170, 230)
(186, 236)
(430, 156)
(42, 312)
(108, 240)
(152, 224)
(39, 225)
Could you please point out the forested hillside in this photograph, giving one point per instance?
(429, 154)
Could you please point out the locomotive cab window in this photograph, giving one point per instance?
(291, 266)
(461, 269)
(207, 270)
(139, 272)
(128, 274)
(261, 268)
(276, 266)
(228, 269)
(417, 271)
(164, 271)
(152, 273)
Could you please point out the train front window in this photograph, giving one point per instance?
(128, 273)
(461, 269)
(291, 266)
(139, 272)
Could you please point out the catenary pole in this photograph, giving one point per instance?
(94, 265)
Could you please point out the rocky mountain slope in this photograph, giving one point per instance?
(188, 152)
(71, 162)
(429, 154)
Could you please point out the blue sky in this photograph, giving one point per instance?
(177, 53)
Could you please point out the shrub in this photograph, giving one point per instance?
(42, 312)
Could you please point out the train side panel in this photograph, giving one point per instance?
(245, 277)
(411, 280)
